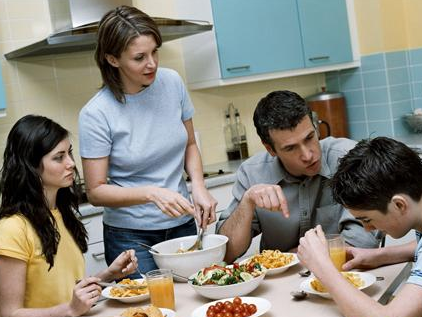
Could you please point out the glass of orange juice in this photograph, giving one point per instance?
(161, 288)
(337, 248)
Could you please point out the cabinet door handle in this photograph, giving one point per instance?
(238, 68)
(98, 256)
(317, 58)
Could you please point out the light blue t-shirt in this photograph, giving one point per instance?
(416, 272)
(145, 140)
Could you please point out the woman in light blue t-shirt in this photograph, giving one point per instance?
(136, 139)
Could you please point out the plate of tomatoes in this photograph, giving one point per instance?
(234, 307)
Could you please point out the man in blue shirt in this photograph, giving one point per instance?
(285, 191)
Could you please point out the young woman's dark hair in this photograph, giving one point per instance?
(279, 110)
(117, 29)
(31, 138)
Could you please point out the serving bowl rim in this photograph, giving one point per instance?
(174, 254)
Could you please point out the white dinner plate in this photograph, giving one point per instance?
(280, 269)
(367, 278)
(132, 299)
(262, 306)
(168, 312)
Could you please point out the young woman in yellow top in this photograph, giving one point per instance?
(41, 238)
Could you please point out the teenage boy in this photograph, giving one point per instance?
(380, 182)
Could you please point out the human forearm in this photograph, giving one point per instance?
(116, 196)
(397, 254)
(193, 165)
(238, 229)
(349, 299)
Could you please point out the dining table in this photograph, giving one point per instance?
(276, 289)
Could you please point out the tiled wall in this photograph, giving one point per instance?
(378, 94)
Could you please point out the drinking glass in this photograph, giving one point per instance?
(337, 249)
(161, 288)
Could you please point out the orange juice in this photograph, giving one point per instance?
(161, 291)
(338, 256)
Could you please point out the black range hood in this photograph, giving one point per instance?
(84, 38)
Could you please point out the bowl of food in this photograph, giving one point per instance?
(127, 295)
(172, 254)
(217, 282)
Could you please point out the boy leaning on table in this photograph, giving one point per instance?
(380, 182)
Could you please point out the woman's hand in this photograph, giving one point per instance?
(171, 203)
(125, 264)
(205, 206)
(85, 294)
(313, 250)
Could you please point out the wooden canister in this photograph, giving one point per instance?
(331, 109)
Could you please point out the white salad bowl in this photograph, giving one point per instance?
(223, 291)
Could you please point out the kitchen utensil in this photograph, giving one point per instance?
(198, 243)
(304, 273)
(125, 286)
(298, 295)
(148, 247)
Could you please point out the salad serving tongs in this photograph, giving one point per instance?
(198, 243)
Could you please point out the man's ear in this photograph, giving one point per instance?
(400, 203)
(112, 60)
(269, 148)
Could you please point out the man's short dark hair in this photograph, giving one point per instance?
(279, 110)
(374, 171)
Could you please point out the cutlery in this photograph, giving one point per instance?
(125, 286)
(148, 247)
(299, 295)
(304, 273)
(198, 243)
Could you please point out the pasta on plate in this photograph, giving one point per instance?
(122, 292)
(149, 311)
(272, 259)
(351, 277)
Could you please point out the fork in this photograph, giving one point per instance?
(198, 243)
(125, 286)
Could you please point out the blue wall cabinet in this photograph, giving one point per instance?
(257, 36)
(2, 96)
(255, 40)
(325, 32)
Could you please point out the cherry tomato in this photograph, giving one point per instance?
(237, 315)
(228, 314)
(219, 315)
(244, 307)
(229, 306)
(237, 309)
(245, 314)
(211, 313)
(237, 301)
(252, 309)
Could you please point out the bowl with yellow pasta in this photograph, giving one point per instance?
(127, 295)
(274, 261)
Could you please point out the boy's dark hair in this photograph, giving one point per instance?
(279, 110)
(374, 171)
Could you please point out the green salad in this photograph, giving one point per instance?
(228, 274)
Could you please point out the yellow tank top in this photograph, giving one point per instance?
(44, 288)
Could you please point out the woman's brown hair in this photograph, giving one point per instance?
(117, 29)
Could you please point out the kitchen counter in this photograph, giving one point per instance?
(277, 290)
(413, 141)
